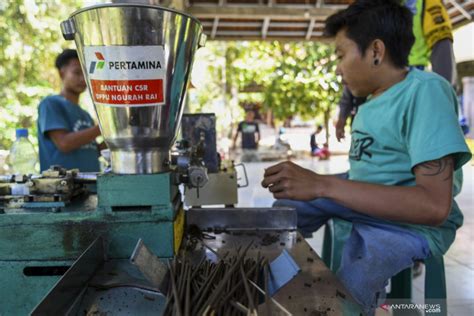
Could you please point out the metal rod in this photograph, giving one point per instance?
(247, 289)
(221, 285)
(239, 306)
(187, 299)
(268, 306)
(237, 285)
(272, 299)
(175, 291)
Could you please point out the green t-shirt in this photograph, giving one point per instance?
(412, 122)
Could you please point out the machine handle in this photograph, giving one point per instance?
(245, 176)
(68, 29)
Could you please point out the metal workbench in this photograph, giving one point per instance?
(118, 288)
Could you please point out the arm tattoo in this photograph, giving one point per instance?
(437, 167)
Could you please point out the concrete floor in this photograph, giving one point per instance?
(459, 261)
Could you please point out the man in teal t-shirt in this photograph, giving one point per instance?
(66, 133)
(412, 122)
(407, 147)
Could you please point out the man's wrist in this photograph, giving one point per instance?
(324, 186)
(97, 130)
(342, 118)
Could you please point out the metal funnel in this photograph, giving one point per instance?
(137, 60)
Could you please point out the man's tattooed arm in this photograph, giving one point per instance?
(428, 202)
(443, 167)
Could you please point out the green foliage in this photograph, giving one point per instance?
(295, 78)
(30, 39)
(304, 81)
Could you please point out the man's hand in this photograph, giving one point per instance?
(340, 124)
(287, 180)
(102, 146)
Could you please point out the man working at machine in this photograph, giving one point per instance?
(67, 133)
(406, 145)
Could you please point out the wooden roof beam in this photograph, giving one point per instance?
(271, 3)
(460, 9)
(309, 33)
(215, 24)
(259, 12)
(266, 24)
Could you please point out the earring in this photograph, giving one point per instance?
(376, 62)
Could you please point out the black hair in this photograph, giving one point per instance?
(368, 20)
(64, 58)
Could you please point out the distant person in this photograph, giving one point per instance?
(282, 146)
(462, 118)
(313, 140)
(66, 132)
(316, 151)
(433, 44)
(281, 142)
(250, 137)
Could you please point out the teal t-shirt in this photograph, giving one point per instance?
(412, 122)
(54, 113)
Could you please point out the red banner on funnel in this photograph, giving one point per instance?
(127, 92)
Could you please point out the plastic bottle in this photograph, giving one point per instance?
(23, 157)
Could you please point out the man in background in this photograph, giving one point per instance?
(313, 140)
(66, 132)
(250, 135)
(321, 152)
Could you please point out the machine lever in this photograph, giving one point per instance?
(197, 188)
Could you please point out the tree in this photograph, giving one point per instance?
(295, 78)
(30, 39)
(303, 82)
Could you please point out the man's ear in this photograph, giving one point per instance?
(377, 52)
(61, 73)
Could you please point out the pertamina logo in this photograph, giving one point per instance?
(97, 64)
(130, 76)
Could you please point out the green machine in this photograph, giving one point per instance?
(43, 233)
(136, 60)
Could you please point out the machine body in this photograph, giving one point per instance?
(136, 60)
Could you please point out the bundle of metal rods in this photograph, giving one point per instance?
(227, 287)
